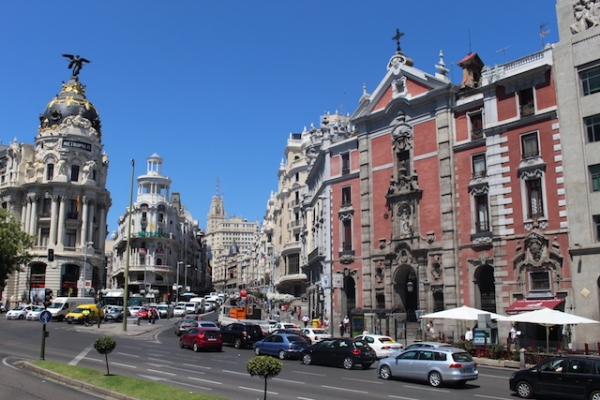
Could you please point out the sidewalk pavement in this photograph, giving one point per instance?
(133, 328)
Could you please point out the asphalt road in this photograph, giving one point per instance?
(157, 356)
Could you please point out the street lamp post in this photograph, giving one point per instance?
(87, 244)
(187, 267)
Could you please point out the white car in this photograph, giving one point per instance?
(19, 312)
(283, 325)
(34, 315)
(132, 310)
(382, 344)
(179, 311)
(316, 334)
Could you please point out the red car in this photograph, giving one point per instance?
(201, 338)
(142, 313)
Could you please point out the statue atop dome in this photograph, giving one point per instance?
(76, 62)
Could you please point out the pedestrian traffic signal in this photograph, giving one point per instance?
(50, 254)
(48, 298)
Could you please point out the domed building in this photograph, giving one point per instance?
(56, 187)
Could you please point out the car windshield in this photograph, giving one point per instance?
(78, 310)
(56, 305)
(296, 339)
(318, 331)
(360, 343)
(463, 356)
(208, 325)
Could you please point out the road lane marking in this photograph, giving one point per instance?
(491, 397)
(122, 365)
(400, 397)
(80, 356)
(129, 355)
(257, 390)
(493, 376)
(426, 388)
(197, 366)
(93, 359)
(204, 380)
(305, 398)
(161, 372)
(344, 389)
(158, 378)
(289, 381)
(308, 373)
(235, 372)
(160, 359)
(363, 380)
(176, 368)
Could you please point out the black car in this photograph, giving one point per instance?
(340, 352)
(572, 376)
(241, 334)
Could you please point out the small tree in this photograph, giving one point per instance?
(14, 246)
(265, 367)
(105, 345)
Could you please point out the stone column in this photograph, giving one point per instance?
(24, 214)
(101, 227)
(84, 222)
(53, 220)
(34, 215)
(62, 216)
(27, 215)
(91, 215)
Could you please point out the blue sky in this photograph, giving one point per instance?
(216, 87)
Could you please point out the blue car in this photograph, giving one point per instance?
(283, 345)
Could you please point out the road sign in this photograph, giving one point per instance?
(45, 317)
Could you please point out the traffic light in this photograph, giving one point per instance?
(48, 298)
(50, 254)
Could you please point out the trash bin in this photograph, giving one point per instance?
(315, 323)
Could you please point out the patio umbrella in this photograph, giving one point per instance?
(463, 313)
(548, 317)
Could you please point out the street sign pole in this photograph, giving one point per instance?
(45, 317)
(43, 342)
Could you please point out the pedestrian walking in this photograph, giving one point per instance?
(305, 320)
(342, 329)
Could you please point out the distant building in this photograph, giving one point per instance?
(165, 243)
(56, 187)
(226, 241)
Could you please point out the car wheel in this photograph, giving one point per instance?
(306, 359)
(181, 346)
(385, 372)
(69, 322)
(348, 363)
(366, 365)
(435, 379)
(282, 355)
(524, 390)
(595, 395)
(21, 317)
(237, 343)
(196, 348)
(257, 351)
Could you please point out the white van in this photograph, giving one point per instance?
(198, 304)
(61, 306)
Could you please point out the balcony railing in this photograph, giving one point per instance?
(294, 224)
(482, 226)
(345, 170)
(153, 234)
(527, 109)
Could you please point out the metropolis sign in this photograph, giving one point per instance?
(77, 145)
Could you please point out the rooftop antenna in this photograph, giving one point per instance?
(503, 50)
(469, 31)
(218, 192)
(543, 33)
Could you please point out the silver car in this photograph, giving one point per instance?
(433, 365)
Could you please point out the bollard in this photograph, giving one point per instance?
(522, 358)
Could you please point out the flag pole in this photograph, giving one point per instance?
(126, 284)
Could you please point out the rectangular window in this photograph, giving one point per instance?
(526, 102)
(74, 173)
(70, 237)
(142, 259)
(44, 234)
(534, 198)
(540, 280)
(529, 145)
(347, 244)
(592, 126)
(49, 172)
(476, 120)
(482, 223)
(595, 177)
(72, 209)
(345, 164)
(597, 224)
(346, 196)
(479, 165)
(590, 79)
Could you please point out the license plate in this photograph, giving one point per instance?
(468, 369)
(211, 339)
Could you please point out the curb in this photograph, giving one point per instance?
(75, 383)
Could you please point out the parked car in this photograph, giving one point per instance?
(283, 325)
(433, 365)
(295, 332)
(143, 313)
(571, 376)
(114, 313)
(34, 315)
(417, 345)
(132, 310)
(202, 338)
(241, 334)
(316, 334)
(19, 312)
(382, 344)
(283, 345)
(340, 352)
(179, 311)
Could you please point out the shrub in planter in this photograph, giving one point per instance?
(495, 351)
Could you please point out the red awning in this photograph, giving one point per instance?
(521, 306)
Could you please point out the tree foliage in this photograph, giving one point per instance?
(105, 345)
(14, 246)
(265, 367)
